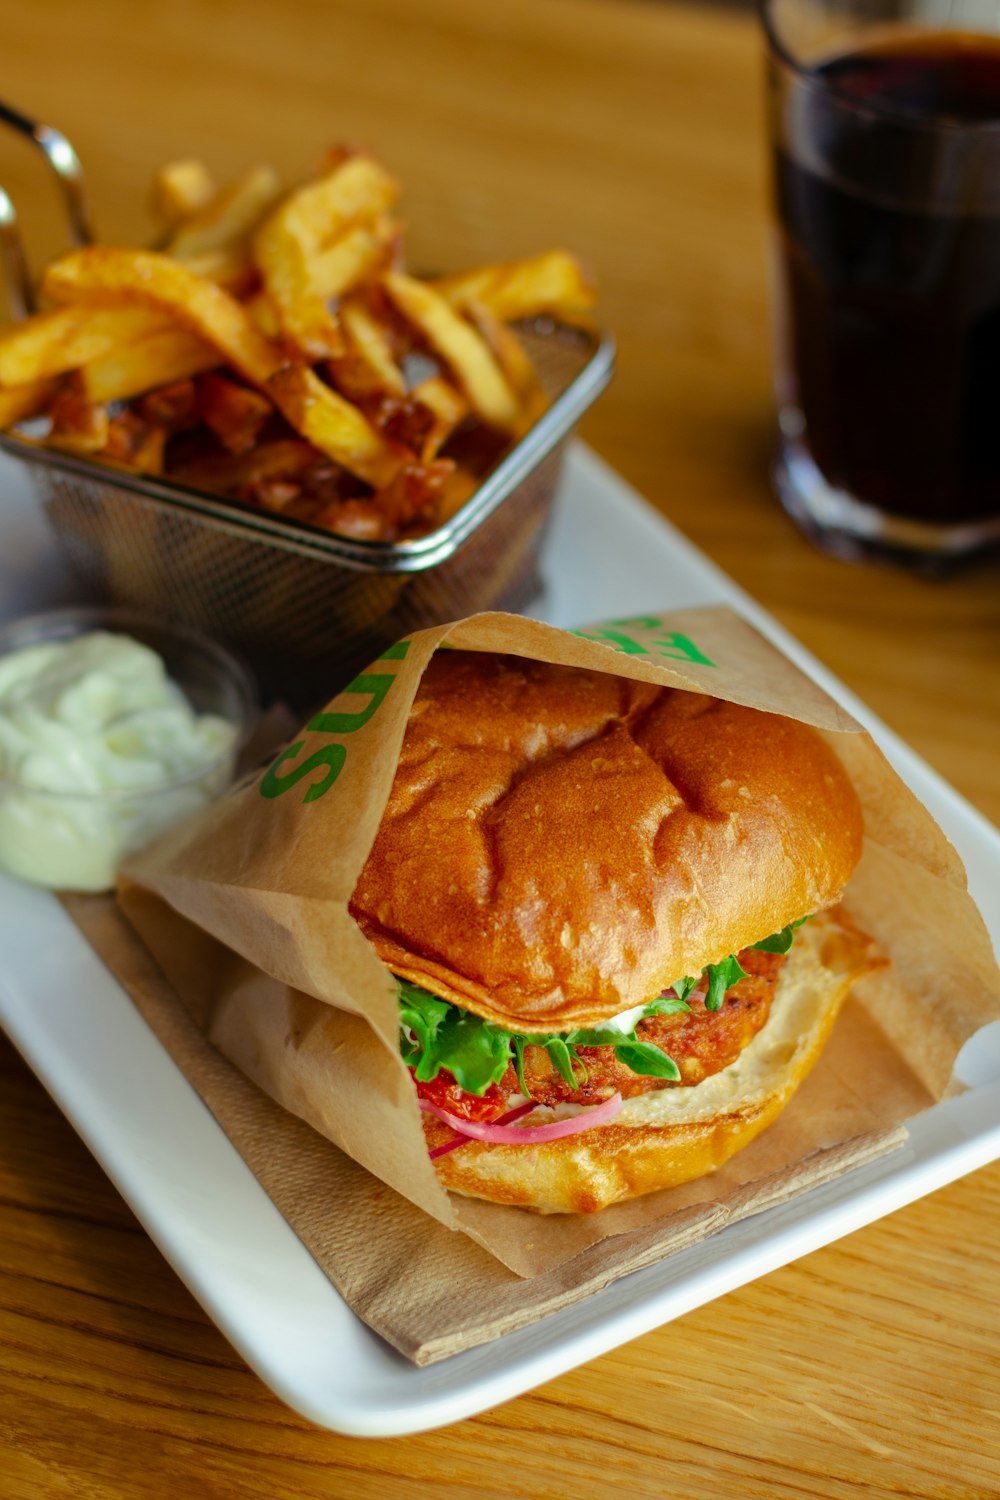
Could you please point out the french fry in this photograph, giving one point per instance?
(554, 283)
(413, 492)
(459, 487)
(512, 357)
(229, 267)
(403, 421)
(287, 245)
(229, 217)
(460, 346)
(333, 425)
(173, 407)
(103, 275)
(175, 354)
(232, 472)
(274, 494)
(448, 406)
(362, 520)
(53, 342)
(180, 189)
(24, 401)
(305, 320)
(135, 444)
(235, 414)
(424, 420)
(349, 260)
(357, 190)
(371, 349)
(261, 312)
(78, 425)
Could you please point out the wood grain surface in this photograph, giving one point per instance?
(633, 134)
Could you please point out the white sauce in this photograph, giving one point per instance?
(628, 1019)
(99, 752)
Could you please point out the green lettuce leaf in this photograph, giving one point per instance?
(435, 1034)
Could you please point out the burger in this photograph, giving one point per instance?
(611, 911)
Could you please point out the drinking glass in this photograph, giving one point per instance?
(884, 123)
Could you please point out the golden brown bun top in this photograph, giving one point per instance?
(560, 845)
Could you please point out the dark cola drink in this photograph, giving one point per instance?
(887, 165)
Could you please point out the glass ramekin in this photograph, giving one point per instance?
(72, 840)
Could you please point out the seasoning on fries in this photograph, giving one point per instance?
(277, 351)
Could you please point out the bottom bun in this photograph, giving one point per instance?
(669, 1136)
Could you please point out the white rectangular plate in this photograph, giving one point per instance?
(608, 555)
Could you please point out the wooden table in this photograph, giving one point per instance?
(631, 132)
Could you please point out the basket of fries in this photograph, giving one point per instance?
(269, 428)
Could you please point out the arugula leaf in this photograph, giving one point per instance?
(597, 1036)
(781, 941)
(669, 1005)
(684, 987)
(722, 977)
(564, 1056)
(519, 1065)
(650, 1061)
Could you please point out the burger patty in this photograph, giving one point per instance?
(700, 1041)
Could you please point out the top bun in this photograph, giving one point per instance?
(561, 845)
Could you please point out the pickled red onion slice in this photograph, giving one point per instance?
(524, 1135)
(460, 1140)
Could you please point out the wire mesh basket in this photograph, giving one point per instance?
(307, 607)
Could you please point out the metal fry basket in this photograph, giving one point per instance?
(306, 607)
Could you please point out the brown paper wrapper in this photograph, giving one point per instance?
(245, 911)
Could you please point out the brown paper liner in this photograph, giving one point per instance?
(428, 1291)
(245, 911)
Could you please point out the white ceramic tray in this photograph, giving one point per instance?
(609, 555)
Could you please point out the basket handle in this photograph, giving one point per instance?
(65, 164)
(20, 292)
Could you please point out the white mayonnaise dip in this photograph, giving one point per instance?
(99, 752)
(628, 1019)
